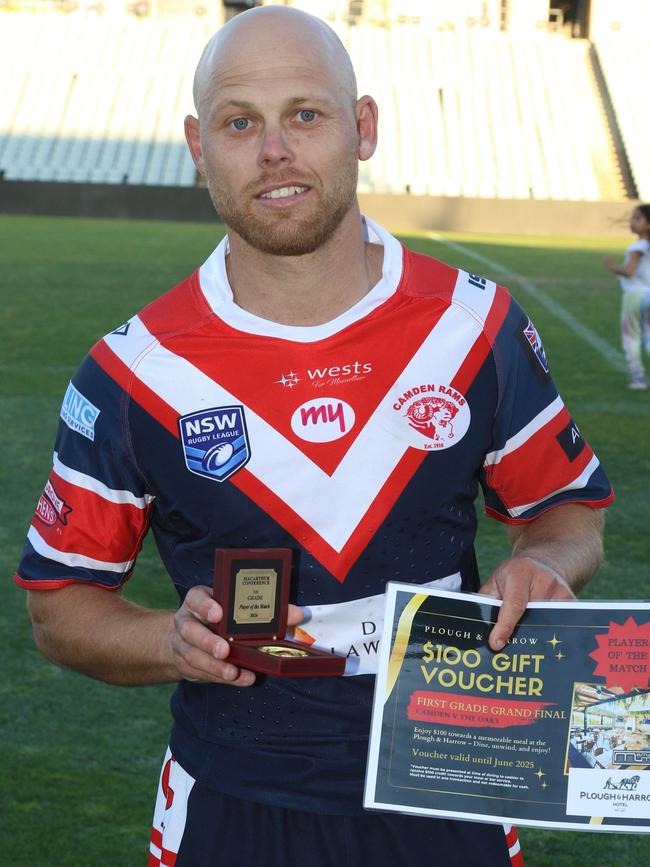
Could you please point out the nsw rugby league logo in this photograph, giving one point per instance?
(437, 415)
(215, 442)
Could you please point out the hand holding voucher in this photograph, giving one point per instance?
(518, 581)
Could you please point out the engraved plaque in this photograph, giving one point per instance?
(255, 595)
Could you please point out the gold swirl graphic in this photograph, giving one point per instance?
(401, 640)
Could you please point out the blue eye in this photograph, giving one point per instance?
(307, 115)
(240, 123)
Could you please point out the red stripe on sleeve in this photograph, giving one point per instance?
(538, 468)
(88, 524)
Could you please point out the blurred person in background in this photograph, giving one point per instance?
(634, 277)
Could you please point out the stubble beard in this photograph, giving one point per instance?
(281, 233)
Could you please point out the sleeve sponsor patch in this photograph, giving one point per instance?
(79, 413)
(529, 338)
(571, 440)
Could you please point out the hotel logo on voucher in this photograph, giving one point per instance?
(435, 416)
(608, 792)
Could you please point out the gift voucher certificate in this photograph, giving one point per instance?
(553, 731)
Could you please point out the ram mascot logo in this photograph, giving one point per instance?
(433, 417)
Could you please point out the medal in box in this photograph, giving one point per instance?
(252, 587)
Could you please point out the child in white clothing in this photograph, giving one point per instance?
(634, 276)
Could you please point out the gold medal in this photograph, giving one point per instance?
(280, 650)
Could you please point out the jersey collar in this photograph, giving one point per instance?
(218, 293)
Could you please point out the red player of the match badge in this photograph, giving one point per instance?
(623, 655)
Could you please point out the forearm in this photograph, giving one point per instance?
(568, 539)
(98, 633)
(622, 270)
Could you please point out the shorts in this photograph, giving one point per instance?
(196, 826)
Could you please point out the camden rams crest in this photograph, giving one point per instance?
(433, 416)
(215, 441)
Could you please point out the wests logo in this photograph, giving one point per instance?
(438, 415)
(339, 374)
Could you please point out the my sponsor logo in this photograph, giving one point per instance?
(322, 420)
(215, 442)
(437, 415)
(79, 413)
(51, 507)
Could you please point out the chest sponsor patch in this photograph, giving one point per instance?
(322, 420)
(79, 413)
(215, 442)
(433, 416)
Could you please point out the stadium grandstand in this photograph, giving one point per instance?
(479, 99)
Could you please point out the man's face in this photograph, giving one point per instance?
(280, 150)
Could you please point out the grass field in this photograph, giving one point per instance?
(80, 760)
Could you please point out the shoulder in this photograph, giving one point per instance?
(177, 311)
(174, 312)
(484, 301)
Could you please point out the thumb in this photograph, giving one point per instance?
(296, 615)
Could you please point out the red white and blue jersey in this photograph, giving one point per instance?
(360, 444)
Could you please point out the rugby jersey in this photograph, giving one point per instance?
(361, 444)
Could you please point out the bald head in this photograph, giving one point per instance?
(283, 35)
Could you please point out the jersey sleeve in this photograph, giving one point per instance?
(94, 510)
(538, 457)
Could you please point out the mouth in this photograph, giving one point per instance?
(284, 195)
(284, 192)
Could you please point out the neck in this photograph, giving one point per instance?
(310, 289)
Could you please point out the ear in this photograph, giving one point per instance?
(367, 120)
(193, 138)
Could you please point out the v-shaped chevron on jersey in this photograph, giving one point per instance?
(332, 514)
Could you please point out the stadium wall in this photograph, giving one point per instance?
(399, 212)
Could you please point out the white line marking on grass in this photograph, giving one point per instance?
(611, 355)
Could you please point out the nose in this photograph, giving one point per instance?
(274, 148)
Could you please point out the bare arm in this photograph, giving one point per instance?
(101, 634)
(553, 557)
(627, 270)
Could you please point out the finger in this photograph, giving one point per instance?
(296, 615)
(200, 602)
(194, 664)
(196, 634)
(490, 588)
(510, 613)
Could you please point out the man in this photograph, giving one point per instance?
(307, 335)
